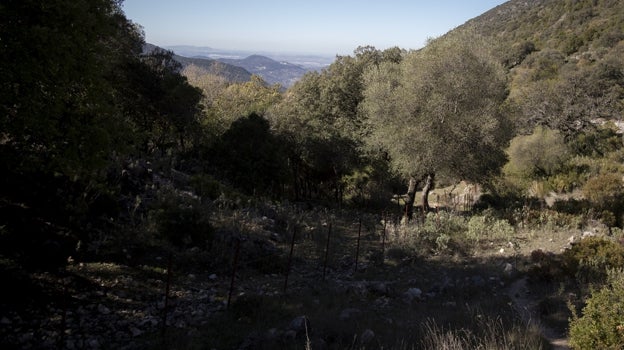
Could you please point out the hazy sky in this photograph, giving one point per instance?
(321, 26)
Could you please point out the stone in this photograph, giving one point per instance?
(135, 331)
(5, 321)
(349, 313)
(378, 288)
(300, 325)
(103, 309)
(477, 281)
(93, 343)
(212, 277)
(587, 234)
(412, 294)
(367, 336)
(509, 270)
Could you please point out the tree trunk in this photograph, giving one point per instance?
(429, 183)
(411, 197)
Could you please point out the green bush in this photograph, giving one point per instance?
(589, 260)
(180, 219)
(601, 325)
(206, 186)
(488, 227)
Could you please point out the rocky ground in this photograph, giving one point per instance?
(156, 303)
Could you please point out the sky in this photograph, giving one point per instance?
(326, 27)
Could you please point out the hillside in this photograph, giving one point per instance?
(232, 73)
(271, 71)
(568, 26)
(145, 209)
(273, 67)
(565, 58)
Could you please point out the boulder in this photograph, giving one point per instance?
(300, 325)
(367, 336)
(412, 294)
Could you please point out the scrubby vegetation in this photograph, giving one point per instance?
(447, 197)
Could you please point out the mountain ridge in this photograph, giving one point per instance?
(230, 72)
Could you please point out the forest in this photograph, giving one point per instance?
(147, 204)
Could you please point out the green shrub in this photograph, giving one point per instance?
(488, 227)
(589, 260)
(601, 325)
(603, 189)
(180, 219)
(206, 186)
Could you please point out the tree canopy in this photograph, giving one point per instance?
(439, 111)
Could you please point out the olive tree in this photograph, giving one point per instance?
(438, 113)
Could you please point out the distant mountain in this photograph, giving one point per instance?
(232, 73)
(270, 70)
(282, 68)
(305, 60)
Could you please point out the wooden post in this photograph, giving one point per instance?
(61, 341)
(234, 266)
(167, 288)
(327, 250)
(383, 240)
(437, 217)
(292, 247)
(357, 247)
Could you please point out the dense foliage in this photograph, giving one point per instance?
(108, 143)
(601, 325)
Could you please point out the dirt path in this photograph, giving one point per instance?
(525, 305)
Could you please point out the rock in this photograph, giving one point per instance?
(571, 239)
(93, 343)
(587, 234)
(378, 288)
(5, 321)
(272, 334)
(103, 309)
(367, 336)
(300, 325)
(290, 335)
(135, 331)
(509, 270)
(477, 281)
(381, 302)
(412, 294)
(212, 277)
(349, 313)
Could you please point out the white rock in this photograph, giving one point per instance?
(508, 270)
(587, 234)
